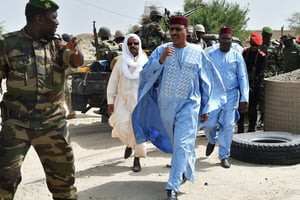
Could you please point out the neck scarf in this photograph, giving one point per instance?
(135, 62)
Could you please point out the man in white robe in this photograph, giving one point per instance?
(122, 96)
(179, 86)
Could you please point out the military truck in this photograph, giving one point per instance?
(89, 90)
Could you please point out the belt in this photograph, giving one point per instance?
(24, 116)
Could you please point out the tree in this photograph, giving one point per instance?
(1, 30)
(219, 13)
(294, 22)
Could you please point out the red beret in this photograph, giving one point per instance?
(256, 38)
(178, 20)
(226, 30)
(298, 39)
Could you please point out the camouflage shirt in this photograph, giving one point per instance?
(274, 59)
(152, 35)
(108, 50)
(35, 75)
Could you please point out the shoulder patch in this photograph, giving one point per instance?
(262, 53)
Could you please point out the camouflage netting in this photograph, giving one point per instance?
(282, 103)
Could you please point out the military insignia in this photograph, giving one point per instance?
(47, 5)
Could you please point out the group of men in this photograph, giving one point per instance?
(164, 98)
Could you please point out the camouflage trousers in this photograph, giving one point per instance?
(54, 150)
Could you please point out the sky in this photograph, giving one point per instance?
(77, 16)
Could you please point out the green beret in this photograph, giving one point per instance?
(45, 4)
(267, 30)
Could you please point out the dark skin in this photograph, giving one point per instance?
(44, 26)
(266, 38)
(178, 38)
(133, 46)
(225, 45)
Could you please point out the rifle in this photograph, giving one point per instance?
(189, 12)
(166, 18)
(186, 14)
(96, 42)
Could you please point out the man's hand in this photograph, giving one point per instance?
(110, 109)
(71, 44)
(204, 117)
(168, 51)
(243, 107)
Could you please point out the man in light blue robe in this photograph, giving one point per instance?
(179, 86)
(221, 123)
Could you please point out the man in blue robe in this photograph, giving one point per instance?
(178, 88)
(221, 123)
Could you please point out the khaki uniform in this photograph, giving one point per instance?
(33, 113)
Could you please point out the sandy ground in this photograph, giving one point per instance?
(103, 174)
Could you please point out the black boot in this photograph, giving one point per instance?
(172, 195)
(136, 165)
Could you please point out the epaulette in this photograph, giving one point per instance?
(261, 53)
(11, 34)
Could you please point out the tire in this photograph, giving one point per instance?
(278, 148)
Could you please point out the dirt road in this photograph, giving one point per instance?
(103, 174)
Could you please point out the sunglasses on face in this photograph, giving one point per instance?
(177, 29)
(132, 43)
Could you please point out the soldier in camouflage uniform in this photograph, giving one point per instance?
(290, 53)
(107, 49)
(33, 63)
(273, 65)
(152, 34)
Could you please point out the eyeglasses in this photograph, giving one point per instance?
(177, 29)
(132, 43)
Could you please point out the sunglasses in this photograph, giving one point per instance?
(177, 29)
(132, 43)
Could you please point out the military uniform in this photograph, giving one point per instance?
(291, 56)
(32, 111)
(274, 59)
(291, 53)
(152, 36)
(255, 62)
(151, 33)
(274, 66)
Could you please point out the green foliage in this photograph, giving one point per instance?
(294, 22)
(219, 13)
(1, 30)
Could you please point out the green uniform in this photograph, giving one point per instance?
(152, 35)
(291, 57)
(273, 66)
(108, 50)
(33, 114)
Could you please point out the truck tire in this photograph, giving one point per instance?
(278, 148)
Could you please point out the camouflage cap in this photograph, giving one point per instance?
(267, 30)
(44, 4)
